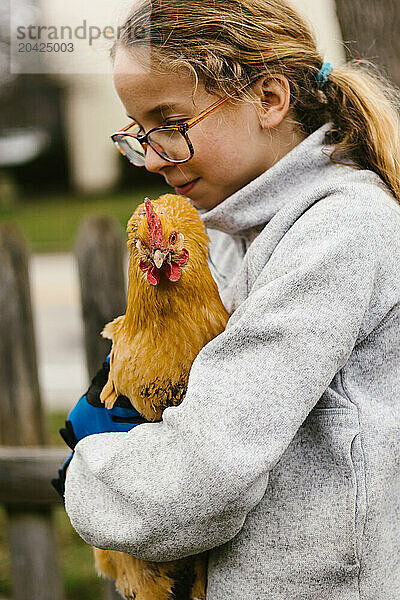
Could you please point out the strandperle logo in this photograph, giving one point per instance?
(62, 38)
(39, 33)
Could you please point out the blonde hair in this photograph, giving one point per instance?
(228, 43)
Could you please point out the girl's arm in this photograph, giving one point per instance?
(167, 490)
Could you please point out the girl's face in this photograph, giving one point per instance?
(231, 147)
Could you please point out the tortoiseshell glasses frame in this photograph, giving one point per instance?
(145, 139)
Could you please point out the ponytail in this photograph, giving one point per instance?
(364, 108)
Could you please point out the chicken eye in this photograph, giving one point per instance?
(141, 245)
(173, 238)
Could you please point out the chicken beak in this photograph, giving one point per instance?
(158, 258)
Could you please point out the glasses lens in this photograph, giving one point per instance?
(170, 143)
(132, 149)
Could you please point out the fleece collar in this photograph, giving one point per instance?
(246, 212)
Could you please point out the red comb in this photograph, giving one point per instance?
(156, 233)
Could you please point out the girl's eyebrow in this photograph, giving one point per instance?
(157, 110)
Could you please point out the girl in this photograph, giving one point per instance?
(283, 458)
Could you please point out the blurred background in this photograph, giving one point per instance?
(58, 166)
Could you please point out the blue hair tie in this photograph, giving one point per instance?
(322, 76)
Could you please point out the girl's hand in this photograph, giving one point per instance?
(59, 484)
(90, 416)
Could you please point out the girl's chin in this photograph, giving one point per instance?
(203, 200)
(204, 205)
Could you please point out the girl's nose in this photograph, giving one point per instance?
(153, 161)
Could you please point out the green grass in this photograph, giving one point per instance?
(50, 223)
(80, 581)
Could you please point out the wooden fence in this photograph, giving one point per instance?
(27, 462)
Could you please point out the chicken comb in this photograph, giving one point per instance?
(156, 232)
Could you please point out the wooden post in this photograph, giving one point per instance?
(99, 251)
(35, 571)
(21, 414)
(371, 30)
(32, 544)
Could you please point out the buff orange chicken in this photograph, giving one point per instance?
(173, 310)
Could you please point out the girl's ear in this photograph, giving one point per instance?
(273, 95)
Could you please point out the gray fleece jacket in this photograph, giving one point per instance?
(284, 457)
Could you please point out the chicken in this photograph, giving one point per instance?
(173, 310)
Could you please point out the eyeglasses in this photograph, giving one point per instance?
(170, 142)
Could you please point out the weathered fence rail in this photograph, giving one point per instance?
(25, 474)
(27, 463)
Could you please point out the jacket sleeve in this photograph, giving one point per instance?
(181, 486)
